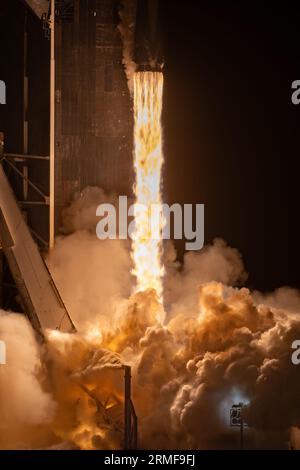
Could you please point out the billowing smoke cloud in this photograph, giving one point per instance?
(216, 262)
(81, 213)
(284, 298)
(220, 344)
(26, 408)
(93, 276)
(236, 349)
(126, 27)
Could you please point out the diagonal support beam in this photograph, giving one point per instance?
(38, 6)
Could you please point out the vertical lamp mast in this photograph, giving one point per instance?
(52, 126)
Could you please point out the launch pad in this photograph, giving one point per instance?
(89, 145)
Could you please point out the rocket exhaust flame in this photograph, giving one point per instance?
(219, 345)
(148, 161)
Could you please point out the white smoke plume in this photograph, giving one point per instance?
(220, 345)
(26, 408)
(216, 262)
(284, 298)
(94, 277)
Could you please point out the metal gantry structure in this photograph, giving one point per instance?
(38, 294)
(20, 240)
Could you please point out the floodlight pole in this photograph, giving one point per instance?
(238, 421)
(52, 126)
(242, 431)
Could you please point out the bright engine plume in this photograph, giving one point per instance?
(148, 161)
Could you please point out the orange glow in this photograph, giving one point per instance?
(148, 161)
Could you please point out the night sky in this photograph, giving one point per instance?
(230, 128)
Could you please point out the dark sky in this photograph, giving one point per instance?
(231, 131)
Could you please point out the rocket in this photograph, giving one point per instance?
(148, 37)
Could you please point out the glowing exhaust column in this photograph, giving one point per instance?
(148, 161)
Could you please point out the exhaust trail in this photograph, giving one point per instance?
(148, 161)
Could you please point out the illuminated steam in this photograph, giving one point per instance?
(220, 346)
(219, 343)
